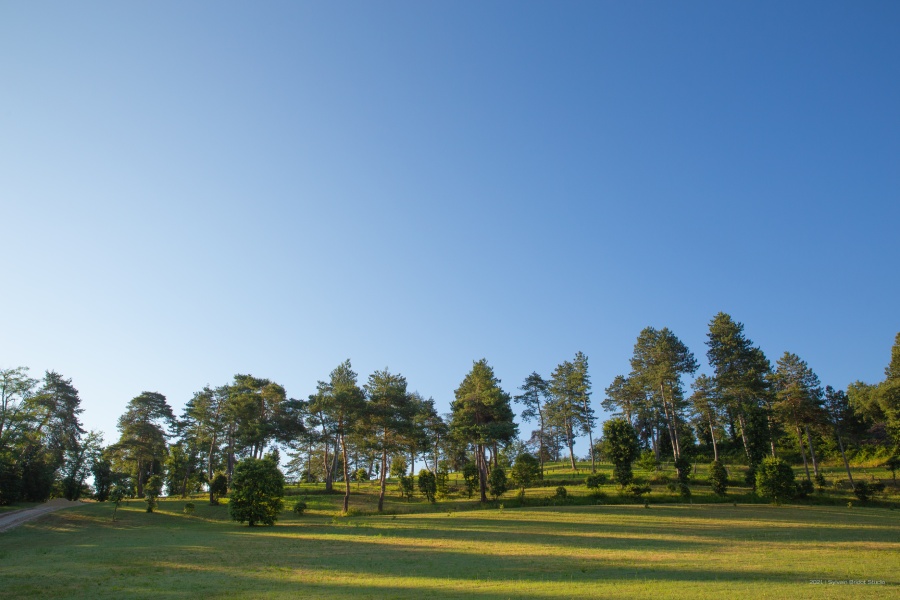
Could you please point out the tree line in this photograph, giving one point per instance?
(745, 410)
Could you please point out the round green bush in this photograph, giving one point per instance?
(775, 480)
(595, 481)
(257, 487)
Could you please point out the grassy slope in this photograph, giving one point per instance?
(626, 551)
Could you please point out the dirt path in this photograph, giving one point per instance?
(16, 518)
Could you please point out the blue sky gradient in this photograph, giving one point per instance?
(193, 191)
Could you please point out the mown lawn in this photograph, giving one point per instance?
(606, 551)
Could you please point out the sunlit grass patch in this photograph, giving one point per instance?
(453, 550)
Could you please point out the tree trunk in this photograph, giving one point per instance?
(673, 425)
(712, 436)
(346, 475)
(744, 436)
(837, 432)
(541, 443)
(671, 431)
(570, 442)
(654, 440)
(329, 485)
(140, 479)
(383, 480)
(812, 451)
(482, 471)
(803, 453)
(209, 468)
(590, 434)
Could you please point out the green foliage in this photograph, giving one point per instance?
(775, 480)
(684, 491)
(683, 469)
(152, 491)
(863, 491)
(637, 490)
(648, 462)
(596, 480)
(804, 489)
(427, 484)
(442, 483)
(116, 496)
(526, 470)
(257, 488)
(407, 486)
(218, 487)
(398, 466)
(189, 508)
(10, 480)
(620, 445)
(299, 507)
(361, 474)
(470, 477)
(892, 464)
(718, 478)
(497, 482)
(820, 482)
(562, 492)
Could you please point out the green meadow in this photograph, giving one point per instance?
(592, 546)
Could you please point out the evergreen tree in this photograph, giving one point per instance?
(482, 416)
(620, 445)
(799, 402)
(388, 417)
(534, 397)
(141, 449)
(741, 375)
(659, 361)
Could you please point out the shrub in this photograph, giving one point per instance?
(620, 445)
(442, 483)
(497, 482)
(116, 495)
(406, 486)
(892, 464)
(218, 487)
(526, 470)
(562, 492)
(820, 482)
(648, 461)
(863, 491)
(360, 475)
(398, 466)
(470, 476)
(750, 475)
(637, 490)
(684, 491)
(775, 480)
(257, 490)
(427, 484)
(596, 480)
(299, 507)
(683, 469)
(718, 478)
(188, 508)
(152, 490)
(804, 488)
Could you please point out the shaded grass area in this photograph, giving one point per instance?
(666, 551)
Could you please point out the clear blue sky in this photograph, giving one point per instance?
(194, 190)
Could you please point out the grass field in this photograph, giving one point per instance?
(454, 550)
